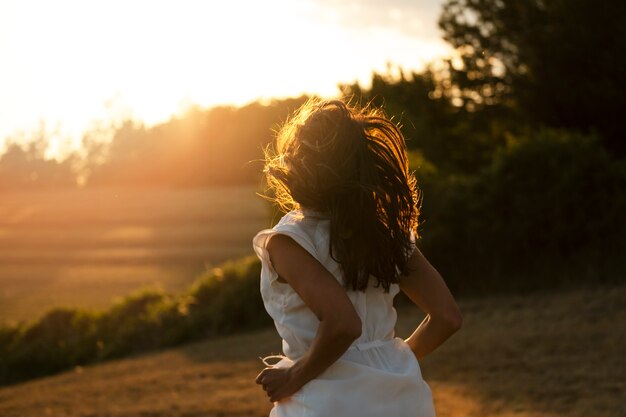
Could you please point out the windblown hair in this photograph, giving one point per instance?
(351, 164)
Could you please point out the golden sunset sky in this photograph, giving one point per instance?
(70, 63)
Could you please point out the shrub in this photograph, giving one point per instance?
(132, 324)
(548, 209)
(228, 299)
(62, 338)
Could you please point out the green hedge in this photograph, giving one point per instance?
(548, 211)
(222, 301)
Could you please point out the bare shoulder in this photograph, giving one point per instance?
(317, 287)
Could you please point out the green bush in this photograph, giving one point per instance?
(60, 339)
(133, 324)
(236, 303)
(548, 209)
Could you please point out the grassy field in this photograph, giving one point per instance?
(540, 355)
(85, 247)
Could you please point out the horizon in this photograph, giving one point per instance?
(74, 65)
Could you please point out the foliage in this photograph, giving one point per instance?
(548, 209)
(204, 147)
(227, 299)
(560, 63)
(451, 137)
(26, 166)
(224, 300)
(218, 146)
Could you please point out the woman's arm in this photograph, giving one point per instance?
(427, 289)
(339, 323)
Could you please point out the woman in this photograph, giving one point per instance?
(333, 264)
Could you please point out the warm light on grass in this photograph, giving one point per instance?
(81, 248)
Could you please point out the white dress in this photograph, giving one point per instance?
(377, 376)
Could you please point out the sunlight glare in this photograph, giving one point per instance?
(155, 59)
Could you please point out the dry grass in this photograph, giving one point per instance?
(546, 354)
(542, 355)
(83, 247)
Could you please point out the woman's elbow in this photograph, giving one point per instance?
(348, 328)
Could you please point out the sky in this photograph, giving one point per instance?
(67, 65)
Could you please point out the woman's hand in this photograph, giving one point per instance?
(278, 383)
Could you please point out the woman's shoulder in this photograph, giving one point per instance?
(289, 221)
(292, 218)
(306, 229)
(291, 224)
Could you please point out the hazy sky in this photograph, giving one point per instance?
(71, 62)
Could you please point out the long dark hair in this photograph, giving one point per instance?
(351, 164)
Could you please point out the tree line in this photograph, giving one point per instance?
(521, 66)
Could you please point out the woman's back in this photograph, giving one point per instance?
(377, 374)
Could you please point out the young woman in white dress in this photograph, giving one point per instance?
(333, 264)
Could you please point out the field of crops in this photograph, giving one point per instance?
(85, 247)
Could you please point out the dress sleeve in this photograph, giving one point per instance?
(259, 243)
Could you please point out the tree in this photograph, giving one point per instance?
(24, 165)
(559, 63)
(452, 138)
